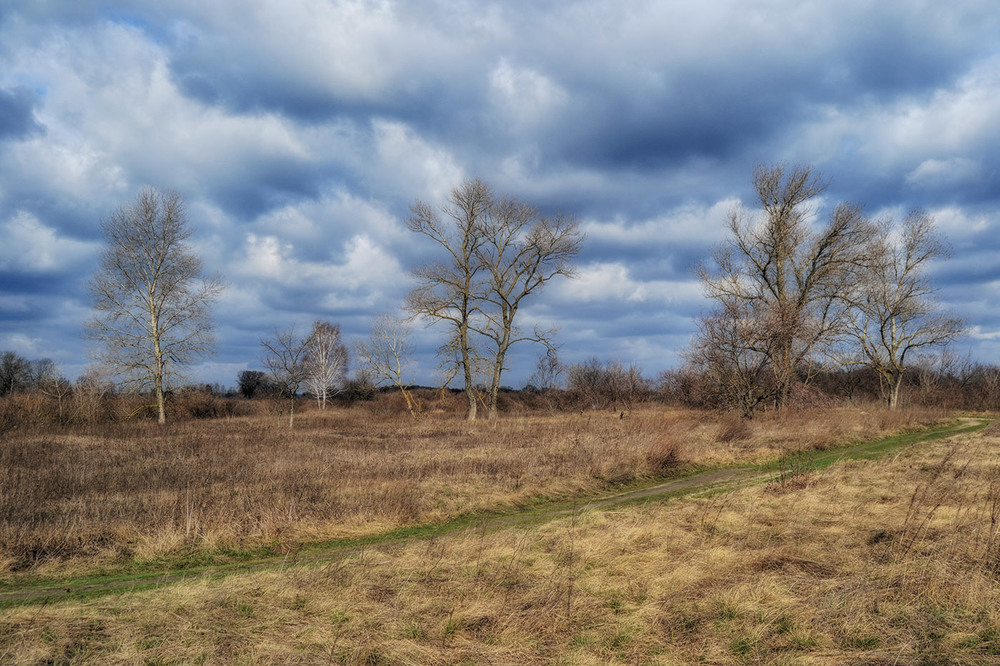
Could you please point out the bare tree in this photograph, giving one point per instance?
(607, 384)
(785, 275)
(91, 392)
(548, 371)
(521, 252)
(893, 312)
(498, 251)
(251, 383)
(731, 351)
(153, 303)
(388, 353)
(285, 360)
(50, 383)
(448, 292)
(326, 360)
(15, 373)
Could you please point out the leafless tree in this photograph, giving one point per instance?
(893, 312)
(521, 252)
(285, 360)
(607, 384)
(153, 303)
(498, 251)
(15, 373)
(91, 392)
(732, 353)
(782, 275)
(548, 371)
(388, 353)
(448, 291)
(326, 360)
(50, 383)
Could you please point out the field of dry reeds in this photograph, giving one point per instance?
(887, 561)
(137, 491)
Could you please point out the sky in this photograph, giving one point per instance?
(300, 132)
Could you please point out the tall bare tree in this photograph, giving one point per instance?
(893, 312)
(326, 360)
(498, 252)
(784, 273)
(285, 360)
(153, 303)
(388, 352)
(449, 291)
(521, 252)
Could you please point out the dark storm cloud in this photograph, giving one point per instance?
(17, 117)
(300, 132)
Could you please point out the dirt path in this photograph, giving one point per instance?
(45, 591)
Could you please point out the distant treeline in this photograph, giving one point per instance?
(31, 394)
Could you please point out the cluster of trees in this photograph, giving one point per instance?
(793, 299)
(496, 252)
(20, 375)
(152, 300)
(317, 361)
(42, 377)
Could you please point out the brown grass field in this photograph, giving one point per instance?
(889, 561)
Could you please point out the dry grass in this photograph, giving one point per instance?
(868, 562)
(139, 491)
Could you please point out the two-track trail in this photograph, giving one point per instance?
(21, 591)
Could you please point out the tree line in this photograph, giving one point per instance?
(793, 299)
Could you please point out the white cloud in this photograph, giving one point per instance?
(134, 127)
(525, 97)
(942, 173)
(414, 163)
(366, 266)
(689, 224)
(610, 282)
(978, 333)
(32, 247)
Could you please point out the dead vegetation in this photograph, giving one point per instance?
(891, 561)
(136, 491)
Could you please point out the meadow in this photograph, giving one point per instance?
(889, 560)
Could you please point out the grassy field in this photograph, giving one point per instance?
(892, 560)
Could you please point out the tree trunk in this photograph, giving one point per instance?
(494, 397)
(470, 388)
(894, 384)
(470, 394)
(162, 416)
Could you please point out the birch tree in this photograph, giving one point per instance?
(152, 301)
(325, 361)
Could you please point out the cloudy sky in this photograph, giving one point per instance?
(300, 132)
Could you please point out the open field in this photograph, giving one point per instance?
(885, 561)
(137, 491)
